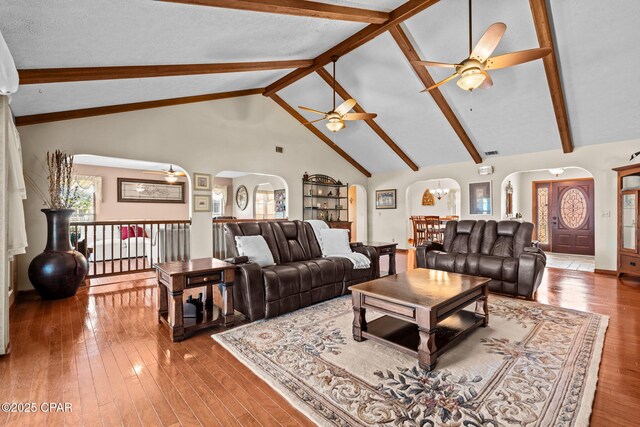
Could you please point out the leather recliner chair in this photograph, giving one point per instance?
(301, 276)
(502, 251)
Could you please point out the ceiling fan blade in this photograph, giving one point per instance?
(434, 64)
(359, 116)
(346, 106)
(441, 82)
(155, 172)
(487, 83)
(488, 42)
(311, 110)
(515, 58)
(313, 121)
(179, 174)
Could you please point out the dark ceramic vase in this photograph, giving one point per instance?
(59, 270)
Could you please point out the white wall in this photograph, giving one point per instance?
(385, 225)
(209, 137)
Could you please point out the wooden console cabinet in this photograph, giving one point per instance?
(628, 220)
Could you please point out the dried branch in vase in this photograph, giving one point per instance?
(62, 192)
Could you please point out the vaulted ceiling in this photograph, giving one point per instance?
(594, 94)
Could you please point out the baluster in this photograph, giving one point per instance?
(104, 248)
(171, 247)
(95, 250)
(144, 247)
(165, 238)
(128, 247)
(121, 252)
(137, 243)
(112, 247)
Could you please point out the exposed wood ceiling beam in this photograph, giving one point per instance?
(545, 39)
(59, 75)
(289, 109)
(410, 53)
(123, 108)
(398, 15)
(340, 90)
(297, 8)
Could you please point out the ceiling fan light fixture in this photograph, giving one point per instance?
(556, 171)
(335, 124)
(171, 179)
(471, 79)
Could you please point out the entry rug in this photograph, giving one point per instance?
(534, 365)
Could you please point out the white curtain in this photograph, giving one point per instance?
(219, 194)
(16, 189)
(5, 118)
(8, 72)
(88, 181)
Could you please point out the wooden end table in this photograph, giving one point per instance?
(423, 311)
(176, 277)
(383, 248)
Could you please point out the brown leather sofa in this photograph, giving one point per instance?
(502, 251)
(301, 276)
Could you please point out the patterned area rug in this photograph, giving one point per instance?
(534, 365)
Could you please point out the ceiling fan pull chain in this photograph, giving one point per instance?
(470, 28)
(334, 84)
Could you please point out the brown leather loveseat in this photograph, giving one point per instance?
(301, 276)
(502, 251)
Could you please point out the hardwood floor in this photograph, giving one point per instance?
(104, 351)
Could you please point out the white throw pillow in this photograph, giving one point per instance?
(256, 249)
(335, 242)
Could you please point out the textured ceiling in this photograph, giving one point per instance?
(72, 33)
(599, 59)
(596, 45)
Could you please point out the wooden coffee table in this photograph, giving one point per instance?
(423, 311)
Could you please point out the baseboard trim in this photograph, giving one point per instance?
(605, 272)
(28, 295)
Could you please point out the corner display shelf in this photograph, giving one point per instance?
(628, 220)
(326, 199)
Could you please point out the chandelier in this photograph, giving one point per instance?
(439, 192)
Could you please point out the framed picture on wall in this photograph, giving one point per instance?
(480, 198)
(386, 199)
(202, 202)
(201, 181)
(149, 191)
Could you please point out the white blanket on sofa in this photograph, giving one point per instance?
(335, 243)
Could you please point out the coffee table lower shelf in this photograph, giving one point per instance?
(404, 336)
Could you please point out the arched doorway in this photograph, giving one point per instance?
(266, 195)
(358, 213)
(445, 200)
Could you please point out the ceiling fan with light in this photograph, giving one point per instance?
(336, 117)
(170, 175)
(473, 70)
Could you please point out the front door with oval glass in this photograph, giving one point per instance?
(564, 216)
